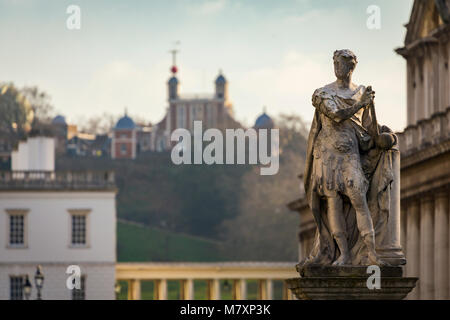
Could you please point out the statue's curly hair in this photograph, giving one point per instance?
(344, 53)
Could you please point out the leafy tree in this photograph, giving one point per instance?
(16, 111)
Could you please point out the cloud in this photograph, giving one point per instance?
(284, 88)
(208, 7)
(288, 87)
(119, 84)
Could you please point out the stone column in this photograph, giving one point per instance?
(410, 92)
(187, 289)
(214, 289)
(134, 289)
(240, 289)
(262, 289)
(418, 89)
(287, 294)
(441, 234)
(269, 289)
(403, 224)
(426, 248)
(390, 249)
(160, 289)
(413, 245)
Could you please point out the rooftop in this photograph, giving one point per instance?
(264, 121)
(59, 119)
(125, 123)
(196, 96)
(57, 181)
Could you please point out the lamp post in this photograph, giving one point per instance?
(27, 288)
(39, 281)
(117, 289)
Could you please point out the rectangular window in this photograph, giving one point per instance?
(123, 148)
(80, 294)
(16, 287)
(78, 230)
(17, 230)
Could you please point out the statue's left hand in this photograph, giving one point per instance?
(385, 141)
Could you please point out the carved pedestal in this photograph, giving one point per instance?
(349, 283)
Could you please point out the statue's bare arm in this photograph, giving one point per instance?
(329, 108)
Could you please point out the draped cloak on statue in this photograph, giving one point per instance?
(376, 165)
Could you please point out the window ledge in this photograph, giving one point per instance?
(16, 246)
(79, 246)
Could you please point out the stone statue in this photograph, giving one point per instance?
(351, 164)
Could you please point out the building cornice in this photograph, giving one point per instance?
(425, 154)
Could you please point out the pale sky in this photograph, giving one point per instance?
(273, 53)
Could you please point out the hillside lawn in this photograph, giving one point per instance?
(137, 243)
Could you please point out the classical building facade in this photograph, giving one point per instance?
(425, 149)
(55, 219)
(425, 154)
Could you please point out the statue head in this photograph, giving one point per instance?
(344, 63)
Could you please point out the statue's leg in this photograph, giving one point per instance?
(338, 228)
(365, 225)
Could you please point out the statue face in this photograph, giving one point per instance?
(344, 66)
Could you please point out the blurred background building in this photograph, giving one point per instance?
(55, 219)
(214, 110)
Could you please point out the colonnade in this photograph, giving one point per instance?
(237, 274)
(425, 235)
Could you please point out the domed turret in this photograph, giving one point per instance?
(124, 139)
(59, 119)
(125, 123)
(221, 79)
(264, 121)
(221, 86)
(173, 87)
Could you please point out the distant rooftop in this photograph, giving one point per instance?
(57, 181)
(59, 119)
(221, 79)
(125, 123)
(197, 96)
(264, 121)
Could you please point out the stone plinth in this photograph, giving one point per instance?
(349, 283)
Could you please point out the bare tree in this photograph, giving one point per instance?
(265, 229)
(40, 103)
(100, 124)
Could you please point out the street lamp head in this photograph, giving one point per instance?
(39, 278)
(27, 288)
(117, 288)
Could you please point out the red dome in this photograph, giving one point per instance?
(174, 69)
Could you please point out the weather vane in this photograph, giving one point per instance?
(174, 52)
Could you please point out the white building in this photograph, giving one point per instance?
(56, 219)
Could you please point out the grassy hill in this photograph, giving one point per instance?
(141, 243)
